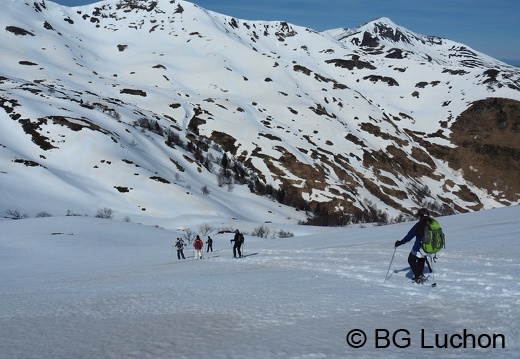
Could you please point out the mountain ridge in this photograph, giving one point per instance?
(339, 121)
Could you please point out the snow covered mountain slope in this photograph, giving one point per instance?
(134, 105)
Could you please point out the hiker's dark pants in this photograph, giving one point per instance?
(416, 264)
(236, 248)
(180, 253)
(210, 247)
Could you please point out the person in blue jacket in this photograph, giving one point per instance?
(416, 259)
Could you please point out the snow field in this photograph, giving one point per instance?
(85, 287)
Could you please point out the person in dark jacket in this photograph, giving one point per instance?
(239, 240)
(209, 242)
(179, 245)
(416, 259)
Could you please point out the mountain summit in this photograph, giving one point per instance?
(139, 105)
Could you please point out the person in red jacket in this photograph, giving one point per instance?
(197, 246)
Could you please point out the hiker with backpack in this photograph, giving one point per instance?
(428, 239)
(197, 246)
(209, 242)
(179, 245)
(239, 240)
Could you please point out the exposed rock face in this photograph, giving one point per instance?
(487, 136)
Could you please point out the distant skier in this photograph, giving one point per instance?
(209, 242)
(197, 245)
(179, 245)
(239, 240)
(416, 259)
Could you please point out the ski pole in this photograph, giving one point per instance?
(429, 267)
(390, 265)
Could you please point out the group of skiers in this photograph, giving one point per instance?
(198, 246)
(416, 258)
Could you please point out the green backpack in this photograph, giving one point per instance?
(433, 239)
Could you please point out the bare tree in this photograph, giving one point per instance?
(43, 214)
(105, 213)
(285, 234)
(189, 234)
(16, 214)
(206, 229)
(262, 231)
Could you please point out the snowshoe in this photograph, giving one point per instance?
(421, 279)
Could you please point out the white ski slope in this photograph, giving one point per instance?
(81, 287)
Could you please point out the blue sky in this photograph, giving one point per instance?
(491, 27)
